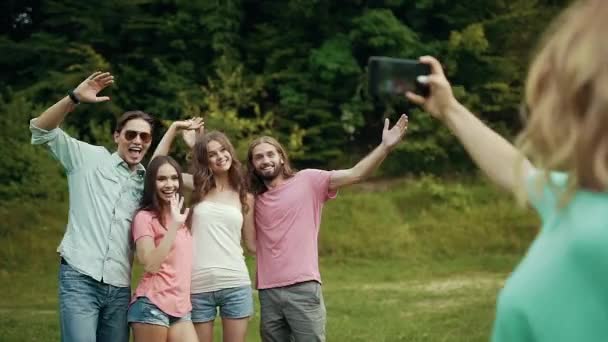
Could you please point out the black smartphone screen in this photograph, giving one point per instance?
(389, 76)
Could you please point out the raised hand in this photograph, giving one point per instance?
(177, 218)
(196, 129)
(391, 137)
(88, 89)
(193, 123)
(441, 98)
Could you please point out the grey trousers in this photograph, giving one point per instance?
(293, 313)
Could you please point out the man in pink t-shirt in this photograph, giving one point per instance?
(288, 216)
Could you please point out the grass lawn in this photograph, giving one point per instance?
(405, 260)
(366, 300)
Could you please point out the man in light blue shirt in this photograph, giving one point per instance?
(105, 190)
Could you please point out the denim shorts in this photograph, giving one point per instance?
(144, 311)
(234, 303)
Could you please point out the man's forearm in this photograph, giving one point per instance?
(359, 172)
(52, 117)
(366, 166)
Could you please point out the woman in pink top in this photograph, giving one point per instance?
(160, 309)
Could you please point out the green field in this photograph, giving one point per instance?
(406, 260)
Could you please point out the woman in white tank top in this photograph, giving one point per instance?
(221, 217)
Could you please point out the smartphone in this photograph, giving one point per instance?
(389, 77)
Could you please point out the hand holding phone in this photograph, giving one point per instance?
(441, 101)
(391, 77)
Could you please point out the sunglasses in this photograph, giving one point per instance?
(144, 136)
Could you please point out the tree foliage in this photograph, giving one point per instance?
(294, 69)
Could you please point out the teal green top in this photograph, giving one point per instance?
(104, 194)
(559, 291)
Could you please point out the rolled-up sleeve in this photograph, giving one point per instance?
(70, 152)
(42, 136)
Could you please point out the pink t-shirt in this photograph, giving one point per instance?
(287, 221)
(169, 288)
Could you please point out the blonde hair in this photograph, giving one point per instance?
(567, 96)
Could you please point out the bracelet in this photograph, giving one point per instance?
(73, 97)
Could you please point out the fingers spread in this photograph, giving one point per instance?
(92, 76)
(102, 99)
(101, 76)
(106, 79)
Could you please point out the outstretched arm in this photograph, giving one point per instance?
(70, 152)
(364, 168)
(491, 152)
(86, 92)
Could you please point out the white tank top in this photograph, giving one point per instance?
(218, 256)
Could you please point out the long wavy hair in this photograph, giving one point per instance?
(149, 200)
(203, 177)
(255, 183)
(567, 96)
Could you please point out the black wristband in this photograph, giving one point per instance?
(73, 97)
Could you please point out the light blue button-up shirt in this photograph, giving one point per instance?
(104, 195)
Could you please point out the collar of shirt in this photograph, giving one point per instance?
(118, 161)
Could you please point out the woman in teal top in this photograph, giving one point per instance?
(559, 291)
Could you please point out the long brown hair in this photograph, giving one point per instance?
(204, 180)
(255, 183)
(567, 96)
(149, 200)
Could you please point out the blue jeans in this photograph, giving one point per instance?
(90, 310)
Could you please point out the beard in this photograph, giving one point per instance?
(270, 176)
